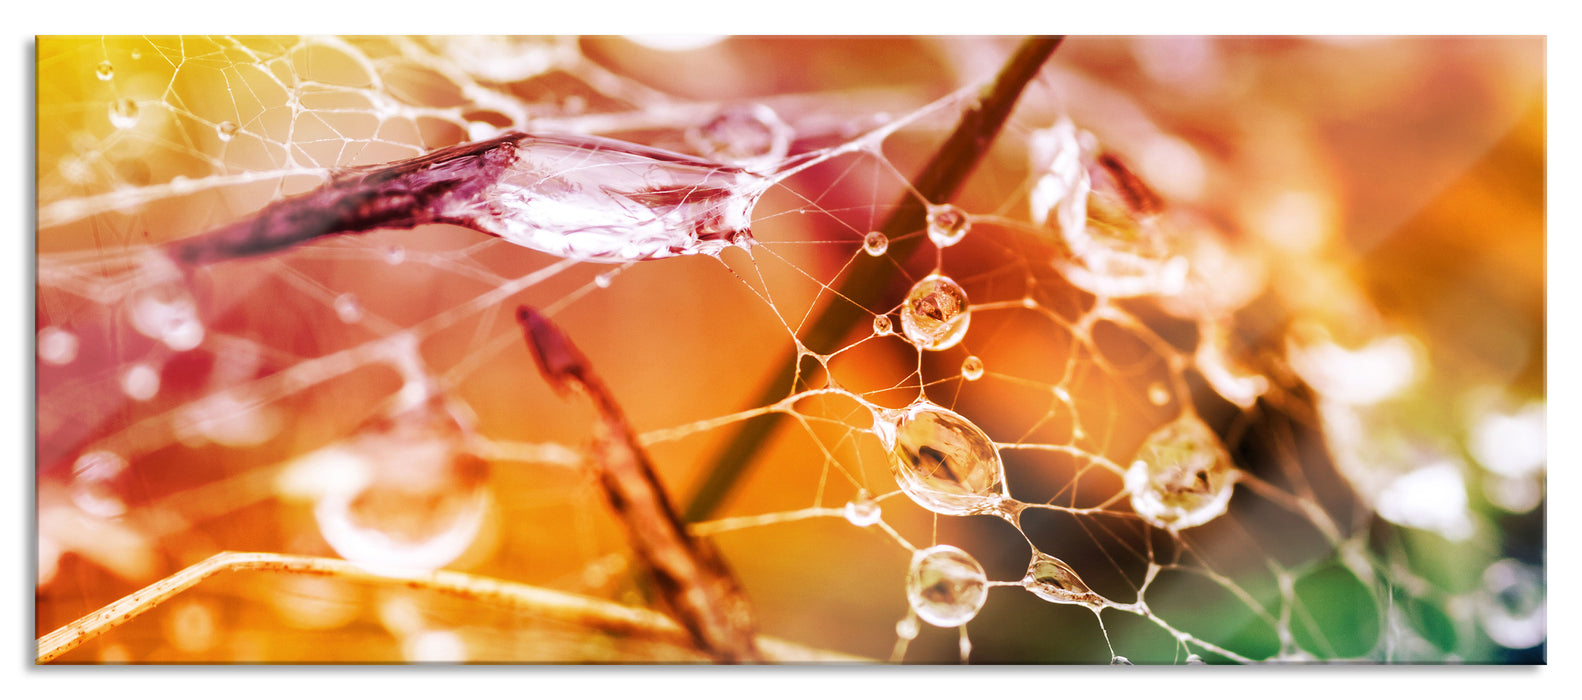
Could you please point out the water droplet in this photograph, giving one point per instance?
(105, 71)
(1195, 660)
(1120, 661)
(93, 483)
(603, 280)
(137, 54)
(140, 382)
(1055, 581)
(348, 308)
(226, 130)
(946, 587)
(935, 315)
(57, 346)
(748, 135)
(404, 494)
(124, 113)
(944, 462)
(907, 627)
(972, 368)
(1182, 477)
(875, 243)
(166, 312)
(947, 224)
(395, 255)
(862, 510)
(881, 325)
(1158, 394)
(1512, 604)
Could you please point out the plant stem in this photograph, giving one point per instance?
(938, 183)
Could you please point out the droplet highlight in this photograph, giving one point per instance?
(947, 224)
(226, 130)
(945, 463)
(972, 368)
(875, 243)
(862, 510)
(946, 587)
(140, 382)
(348, 308)
(124, 113)
(935, 315)
(165, 311)
(1158, 394)
(1182, 476)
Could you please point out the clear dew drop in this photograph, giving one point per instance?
(875, 243)
(972, 368)
(881, 325)
(935, 315)
(1055, 581)
(945, 463)
(947, 224)
(124, 113)
(226, 130)
(404, 494)
(348, 308)
(105, 71)
(57, 346)
(94, 478)
(945, 586)
(863, 510)
(1195, 660)
(1181, 477)
(1120, 661)
(140, 382)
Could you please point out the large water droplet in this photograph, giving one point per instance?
(947, 224)
(935, 315)
(404, 494)
(226, 130)
(105, 71)
(140, 382)
(748, 135)
(1055, 581)
(944, 462)
(124, 113)
(57, 346)
(875, 243)
(972, 368)
(862, 510)
(94, 479)
(1182, 477)
(946, 587)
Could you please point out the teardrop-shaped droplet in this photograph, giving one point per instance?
(95, 484)
(348, 308)
(935, 315)
(1055, 581)
(124, 113)
(944, 462)
(972, 368)
(881, 325)
(105, 71)
(226, 130)
(57, 346)
(862, 510)
(947, 224)
(747, 135)
(1182, 476)
(946, 586)
(875, 243)
(404, 494)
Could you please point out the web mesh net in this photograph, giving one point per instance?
(1213, 357)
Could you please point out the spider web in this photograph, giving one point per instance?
(1386, 472)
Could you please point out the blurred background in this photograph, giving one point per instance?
(1363, 325)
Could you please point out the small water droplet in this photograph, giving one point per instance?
(944, 462)
(748, 135)
(947, 224)
(1055, 581)
(140, 382)
(406, 494)
(907, 627)
(875, 243)
(57, 346)
(946, 586)
(881, 325)
(226, 130)
(93, 483)
(349, 308)
(124, 113)
(935, 315)
(395, 255)
(137, 54)
(1158, 394)
(863, 510)
(972, 368)
(1120, 661)
(1195, 660)
(603, 280)
(105, 71)
(1182, 477)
